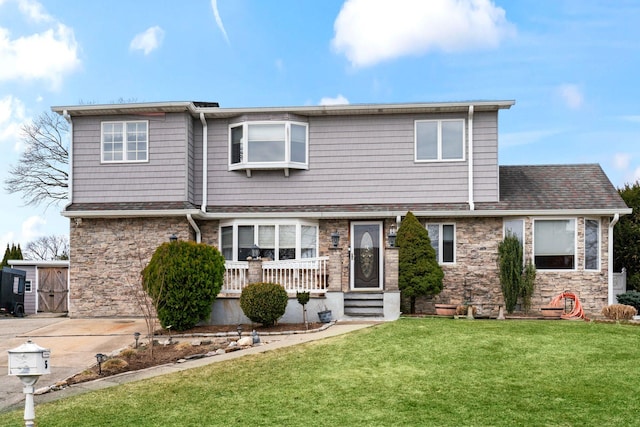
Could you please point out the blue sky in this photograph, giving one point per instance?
(571, 66)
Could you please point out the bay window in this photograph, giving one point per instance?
(268, 145)
(554, 244)
(277, 240)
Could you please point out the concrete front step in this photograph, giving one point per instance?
(365, 304)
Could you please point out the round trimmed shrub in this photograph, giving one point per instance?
(183, 279)
(264, 302)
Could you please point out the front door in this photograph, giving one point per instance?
(366, 255)
(52, 290)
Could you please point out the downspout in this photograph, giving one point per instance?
(471, 202)
(613, 222)
(67, 117)
(195, 228)
(205, 150)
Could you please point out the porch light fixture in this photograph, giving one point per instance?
(335, 239)
(173, 238)
(255, 251)
(392, 236)
(100, 358)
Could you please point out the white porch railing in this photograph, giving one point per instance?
(236, 276)
(308, 275)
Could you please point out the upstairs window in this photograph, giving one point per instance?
(268, 145)
(439, 140)
(125, 141)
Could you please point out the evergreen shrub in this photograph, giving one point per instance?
(183, 279)
(264, 302)
(631, 298)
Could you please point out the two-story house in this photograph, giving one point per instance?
(311, 195)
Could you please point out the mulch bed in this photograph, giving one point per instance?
(141, 358)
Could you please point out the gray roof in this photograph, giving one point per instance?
(555, 187)
(523, 190)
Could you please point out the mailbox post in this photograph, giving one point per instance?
(28, 362)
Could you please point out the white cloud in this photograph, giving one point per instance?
(216, 14)
(34, 11)
(12, 117)
(32, 228)
(372, 31)
(571, 95)
(148, 41)
(621, 161)
(48, 56)
(632, 119)
(338, 100)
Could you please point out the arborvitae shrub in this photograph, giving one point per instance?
(264, 302)
(418, 270)
(631, 298)
(510, 269)
(183, 279)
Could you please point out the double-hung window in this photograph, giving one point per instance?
(591, 244)
(443, 241)
(554, 244)
(125, 141)
(276, 240)
(439, 140)
(268, 145)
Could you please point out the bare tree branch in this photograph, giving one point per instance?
(48, 248)
(41, 176)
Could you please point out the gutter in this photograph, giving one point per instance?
(205, 172)
(471, 203)
(612, 224)
(195, 228)
(67, 117)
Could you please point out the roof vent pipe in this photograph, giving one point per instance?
(471, 202)
(205, 150)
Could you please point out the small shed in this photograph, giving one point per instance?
(46, 286)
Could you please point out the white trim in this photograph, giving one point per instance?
(575, 243)
(612, 224)
(124, 142)
(438, 158)
(286, 163)
(380, 225)
(440, 254)
(584, 248)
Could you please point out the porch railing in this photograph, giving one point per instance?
(308, 274)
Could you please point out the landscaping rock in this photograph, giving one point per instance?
(245, 342)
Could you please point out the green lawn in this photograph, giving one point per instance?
(411, 372)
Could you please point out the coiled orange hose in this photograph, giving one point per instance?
(577, 311)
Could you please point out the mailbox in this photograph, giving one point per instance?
(29, 359)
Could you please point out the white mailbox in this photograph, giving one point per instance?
(29, 359)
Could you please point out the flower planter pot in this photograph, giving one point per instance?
(324, 316)
(552, 312)
(446, 309)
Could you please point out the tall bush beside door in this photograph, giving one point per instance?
(510, 270)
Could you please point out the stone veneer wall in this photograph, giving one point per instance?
(474, 276)
(106, 258)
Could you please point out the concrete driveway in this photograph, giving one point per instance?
(73, 344)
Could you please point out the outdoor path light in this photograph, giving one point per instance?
(28, 362)
(136, 336)
(239, 329)
(100, 358)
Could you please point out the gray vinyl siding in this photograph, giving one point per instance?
(358, 160)
(163, 178)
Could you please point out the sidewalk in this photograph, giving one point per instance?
(15, 400)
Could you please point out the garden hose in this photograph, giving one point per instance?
(577, 311)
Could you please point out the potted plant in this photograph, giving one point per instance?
(446, 309)
(324, 315)
(552, 312)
